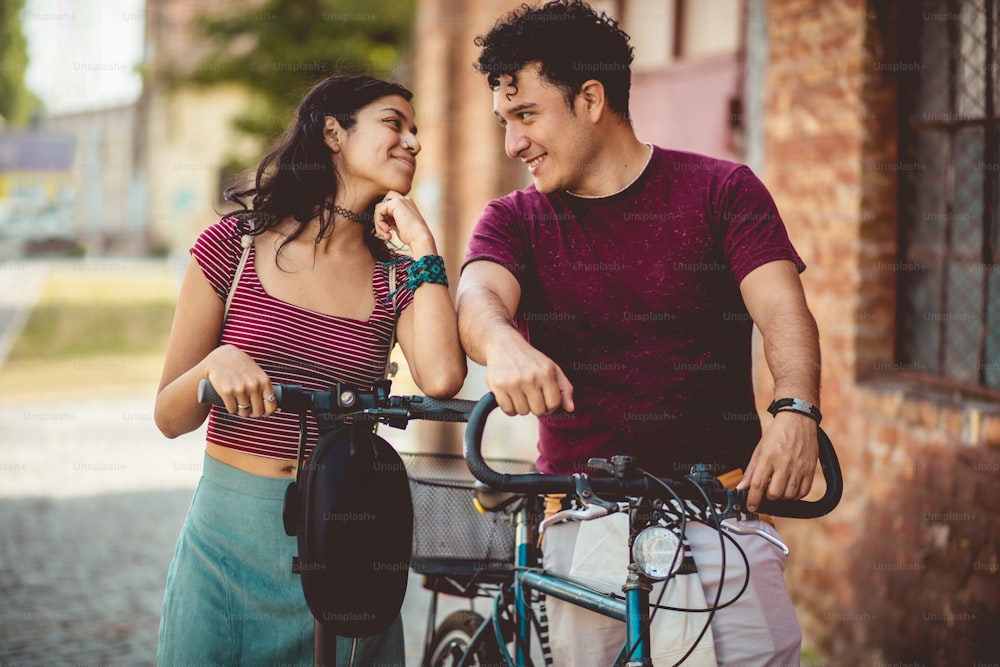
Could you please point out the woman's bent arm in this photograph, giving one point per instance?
(193, 353)
(428, 334)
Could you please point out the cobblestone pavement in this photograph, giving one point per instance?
(91, 501)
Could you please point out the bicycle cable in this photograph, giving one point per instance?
(722, 578)
(663, 590)
(722, 605)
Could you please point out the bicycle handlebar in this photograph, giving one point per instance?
(543, 484)
(343, 402)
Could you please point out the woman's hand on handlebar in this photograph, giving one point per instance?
(240, 382)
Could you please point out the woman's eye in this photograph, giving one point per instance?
(395, 122)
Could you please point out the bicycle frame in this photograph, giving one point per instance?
(633, 610)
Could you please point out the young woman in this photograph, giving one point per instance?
(311, 307)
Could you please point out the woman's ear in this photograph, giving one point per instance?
(332, 132)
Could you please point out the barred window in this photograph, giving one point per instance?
(948, 322)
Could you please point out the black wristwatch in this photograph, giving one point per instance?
(795, 405)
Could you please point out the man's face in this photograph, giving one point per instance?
(542, 130)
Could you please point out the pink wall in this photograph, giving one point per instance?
(685, 106)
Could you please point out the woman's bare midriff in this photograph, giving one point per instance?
(251, 463)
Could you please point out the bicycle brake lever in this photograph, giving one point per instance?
(587, 495)
(729, 527)
(593, 511)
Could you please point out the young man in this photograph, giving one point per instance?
(615, 298)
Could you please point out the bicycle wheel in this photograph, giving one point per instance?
(453, 636)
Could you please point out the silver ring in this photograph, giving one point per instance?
(242, 407)
(270, 398)
(405, 144)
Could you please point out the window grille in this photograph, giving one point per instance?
(948, 321)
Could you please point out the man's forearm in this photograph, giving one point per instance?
(482, 318)
(791, 349)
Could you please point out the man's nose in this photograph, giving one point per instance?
(515, 142)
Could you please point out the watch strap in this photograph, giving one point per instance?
(795, 405)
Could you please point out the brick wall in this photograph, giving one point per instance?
(905, 571)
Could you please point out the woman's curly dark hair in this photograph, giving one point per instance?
(569, 40)
(297, 178)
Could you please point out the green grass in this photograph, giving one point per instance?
(94, 329)
(81, 315)
(72, 331)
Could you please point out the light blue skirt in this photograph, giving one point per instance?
(231, 596)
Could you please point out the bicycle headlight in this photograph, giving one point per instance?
(656, 552)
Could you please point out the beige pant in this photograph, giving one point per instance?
(759, 629)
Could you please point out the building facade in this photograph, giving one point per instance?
(188, 137)
(109, 210)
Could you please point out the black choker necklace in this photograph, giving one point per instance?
(351, 215)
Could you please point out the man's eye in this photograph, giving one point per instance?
(525, 114)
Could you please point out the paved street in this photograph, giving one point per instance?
(91, 500)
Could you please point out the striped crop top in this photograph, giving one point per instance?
(291, 344)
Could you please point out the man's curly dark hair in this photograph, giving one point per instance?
(569, 40)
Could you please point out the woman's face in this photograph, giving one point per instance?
(379, 152)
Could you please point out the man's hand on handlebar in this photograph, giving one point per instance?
(784, 462)
(525, 380)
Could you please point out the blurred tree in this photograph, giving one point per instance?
(279, 49)
(17, 103)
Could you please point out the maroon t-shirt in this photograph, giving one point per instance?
(636, 297)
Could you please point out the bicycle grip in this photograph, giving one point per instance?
(207, 393)
(443, 410)
(811, 509)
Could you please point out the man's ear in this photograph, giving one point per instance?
(332, 132)
(593, 100)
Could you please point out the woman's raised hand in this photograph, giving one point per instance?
(399, 213)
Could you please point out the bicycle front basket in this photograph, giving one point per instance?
(450, 537)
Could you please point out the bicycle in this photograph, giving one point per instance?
(467, 638)
(339, 406)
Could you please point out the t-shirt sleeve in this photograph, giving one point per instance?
(750, 226)
(217, 250)
(499, 237)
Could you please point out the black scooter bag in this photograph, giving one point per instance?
(351, 510)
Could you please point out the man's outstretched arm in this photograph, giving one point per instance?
(522, 378)
(784, 462)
